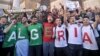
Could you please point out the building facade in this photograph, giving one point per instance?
(32, 4)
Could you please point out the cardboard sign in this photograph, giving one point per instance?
(1, 12)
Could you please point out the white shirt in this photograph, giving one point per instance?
(92, 44)
(98, 27)
(96, 33)
(74, 31)
(60, 40)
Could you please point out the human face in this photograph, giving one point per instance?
(14, 21)
(34, 20)
(72, 20)
(85, 21)
(3, 20)
(24, 20)
(58, 22)
(50, 19)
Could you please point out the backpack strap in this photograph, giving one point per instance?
(67, 34)
(55, 32)
(81, 30)
(92, 29)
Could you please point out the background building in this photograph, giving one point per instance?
(32, 4)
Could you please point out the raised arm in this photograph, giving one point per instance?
(97, 18)
(9, 27)
(65, 16)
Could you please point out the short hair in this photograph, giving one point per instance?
(62, 20)
(70, 17)
(3, 17)
(85, 17)
(97, 14)
(33, 17)
(49, 15)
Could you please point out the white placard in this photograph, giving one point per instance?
(16, 4)
(72, 5)
(1, 12)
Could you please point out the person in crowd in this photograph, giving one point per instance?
(22, 43)
(35, 30)
(98, 39)
(90, 14)
(90, 47)
(39, 16)
(75, 38)
(3, 21)
(10, 38)
(48, 41)
(61, 46)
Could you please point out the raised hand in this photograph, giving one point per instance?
(14, 22)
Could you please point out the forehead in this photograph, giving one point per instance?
(49, 16)
(34, 18)
(3, 18)
(58, 19)
(23, 17)
(85, 19)
(72, 18)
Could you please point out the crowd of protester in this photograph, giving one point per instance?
(60, 32)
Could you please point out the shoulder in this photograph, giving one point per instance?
(44, 23)
(39, 23)
(18, 23)
(63, 25)
(29, 25)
